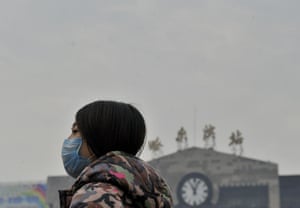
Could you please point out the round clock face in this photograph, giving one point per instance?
(194, 190)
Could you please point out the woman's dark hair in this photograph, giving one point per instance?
(111, 126)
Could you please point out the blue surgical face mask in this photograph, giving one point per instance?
(73, 162)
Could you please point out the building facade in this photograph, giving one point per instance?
(206, 178)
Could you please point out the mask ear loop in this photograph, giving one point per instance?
(92, 156)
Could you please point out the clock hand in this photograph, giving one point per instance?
(194, 186)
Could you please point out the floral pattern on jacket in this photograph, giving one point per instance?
(118, 180)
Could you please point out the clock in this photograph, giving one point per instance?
(194, 190)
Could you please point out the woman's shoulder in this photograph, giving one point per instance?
(117, 173)
(97, 194)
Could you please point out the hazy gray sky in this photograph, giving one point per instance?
(235, 62)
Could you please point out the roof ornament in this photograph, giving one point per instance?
(155, 147)
(181, 139)
(236, 143)
(209, 137)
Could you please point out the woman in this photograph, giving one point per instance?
(100, 154)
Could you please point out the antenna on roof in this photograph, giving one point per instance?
(195, 125)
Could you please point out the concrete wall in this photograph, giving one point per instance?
(54, 184)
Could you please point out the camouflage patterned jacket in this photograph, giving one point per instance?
(118, 180)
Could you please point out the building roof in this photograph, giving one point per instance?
(207, 152)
